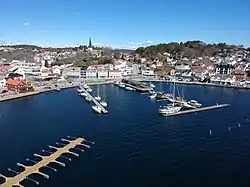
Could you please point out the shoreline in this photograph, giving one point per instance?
(198, 83)
(43, 91)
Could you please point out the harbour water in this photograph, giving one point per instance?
(134, 146)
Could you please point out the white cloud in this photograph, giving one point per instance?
(149, 42)
(26, 24)
(131, 43)
(139, 43)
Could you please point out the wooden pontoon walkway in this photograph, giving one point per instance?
(198, 110)
(104, 110)
(15, 181)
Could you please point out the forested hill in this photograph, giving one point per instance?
(189, 49)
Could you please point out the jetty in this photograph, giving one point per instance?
(34, 169)
(104, 110)
(197, 110)
(138, 86)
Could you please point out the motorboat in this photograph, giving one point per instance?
(98, 98)
(152, 96)
(152, 85)
(80, 90)
(103, 103)
(85, 86)
(121, 85)
(169, 109)
(194, 103)
(88, 98)
(83, 94)
(116, 83)
(89, 90)
(97, 109)
(129, 88)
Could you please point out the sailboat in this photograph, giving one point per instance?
(98, 98)
(170, 108)
(103, 103)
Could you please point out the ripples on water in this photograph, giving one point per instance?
(134, 146)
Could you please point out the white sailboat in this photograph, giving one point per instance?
(171, 108)
(98, 98)
(103, 103)
(97, 109)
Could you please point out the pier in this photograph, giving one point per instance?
(104, 110)
(20, 176)
(197, 110)
(138, 86)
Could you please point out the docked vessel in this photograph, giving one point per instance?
(121, 85)
(79, 90)
(129, 88)
(151, 85)
(97, 109)
(89, 90)
(98, 98)
(83, 94)
(103, 103)
(170, 108)
(88, 98)
(85, 86)
(194, 103)
(153, 95)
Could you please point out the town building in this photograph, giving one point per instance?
(3, 83)
(103, 74)
(91, 74)
(114, 74)
(147, 71)
(16, 85)
(71, 72)
(223, 68)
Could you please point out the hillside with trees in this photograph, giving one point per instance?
(189, 49)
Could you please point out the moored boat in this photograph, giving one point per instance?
(89, 90)
(152, 96)
(97, 109)
(98, 98)
(83, 94)
(151, 85)
(103, 103)
(88, 98)
(129, 88)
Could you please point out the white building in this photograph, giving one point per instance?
(120, 64)
(91, 74)
(103, 74)
(147, 71)
(71, 72)
(25, 68)
(182, 67)
(3, 83)
(114, 74)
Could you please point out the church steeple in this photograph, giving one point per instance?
(90, 43)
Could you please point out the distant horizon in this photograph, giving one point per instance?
(124, 24)
(16, 44)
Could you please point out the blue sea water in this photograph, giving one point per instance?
(134, 146)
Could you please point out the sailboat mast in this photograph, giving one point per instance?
(173, 92)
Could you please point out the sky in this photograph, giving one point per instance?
(123, 23)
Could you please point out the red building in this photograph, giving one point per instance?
(16, 85)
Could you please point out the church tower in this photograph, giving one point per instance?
(90, 43)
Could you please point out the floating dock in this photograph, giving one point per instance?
(104, 110)
(16, 180)
(197, 110)
(138, 86)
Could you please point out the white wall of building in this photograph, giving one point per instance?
(90, 74)
(113, 74)
(103, 74)
(147, 72)
(2, 83)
